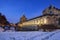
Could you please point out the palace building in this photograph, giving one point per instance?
(51, 15)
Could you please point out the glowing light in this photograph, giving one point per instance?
(45, 21)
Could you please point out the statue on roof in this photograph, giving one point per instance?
(51, 10)
(0, 14)
(51, 6)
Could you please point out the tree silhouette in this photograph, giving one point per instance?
(3, 20)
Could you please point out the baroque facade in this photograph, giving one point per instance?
(50, 15)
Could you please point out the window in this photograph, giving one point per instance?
(51, 12)
(59, 21)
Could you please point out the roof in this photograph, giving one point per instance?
(43, 16)
(50, 7)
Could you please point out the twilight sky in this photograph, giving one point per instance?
(14, 9)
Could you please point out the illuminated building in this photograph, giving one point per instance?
(50, 15)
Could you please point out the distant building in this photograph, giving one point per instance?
(50, 15)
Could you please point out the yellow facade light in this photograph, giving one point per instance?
(45, 21)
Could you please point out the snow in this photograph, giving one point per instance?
(30, 35)
(1, 29)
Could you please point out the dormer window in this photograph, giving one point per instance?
(51, 12)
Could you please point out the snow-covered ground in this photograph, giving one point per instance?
(32, 35)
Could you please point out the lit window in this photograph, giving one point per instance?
(45, 21)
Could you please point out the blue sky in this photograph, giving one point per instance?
(14, 9)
